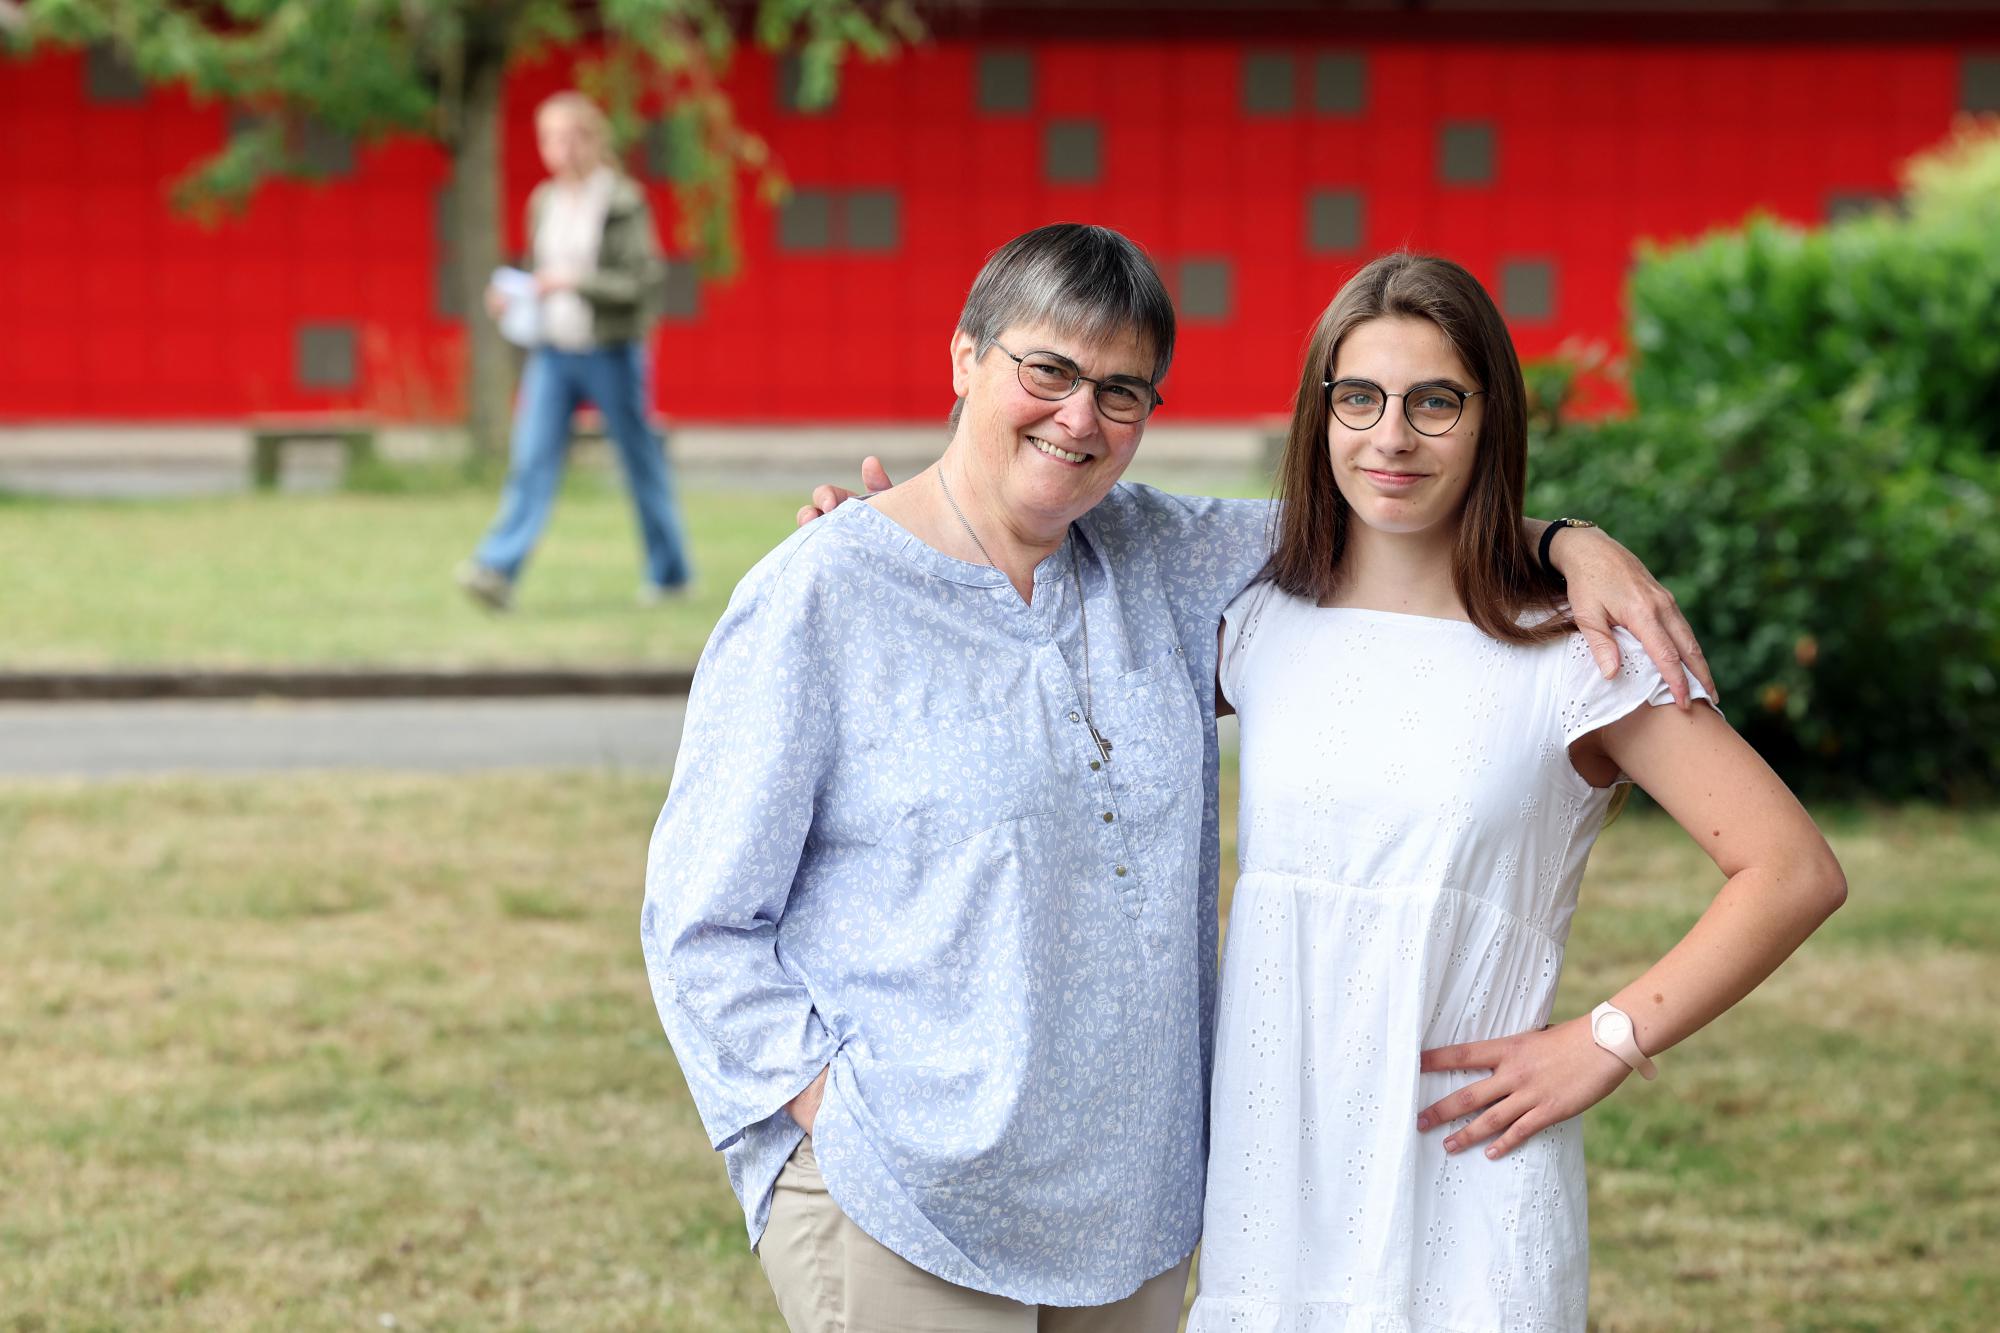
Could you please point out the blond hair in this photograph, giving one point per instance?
(588, 115)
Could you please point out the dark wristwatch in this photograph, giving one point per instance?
(1549, 535)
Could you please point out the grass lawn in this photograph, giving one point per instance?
(355, 580)
(361, 1052)
(365, 579)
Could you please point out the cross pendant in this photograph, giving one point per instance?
(1103, 745)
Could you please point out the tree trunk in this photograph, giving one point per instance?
(475, 247)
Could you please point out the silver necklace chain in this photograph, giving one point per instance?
(1082, 614)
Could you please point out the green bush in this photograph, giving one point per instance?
(1845, 587)
(1898, 310)
(1814, 463)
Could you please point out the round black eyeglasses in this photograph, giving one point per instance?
(1052, 377)
(1431, 409)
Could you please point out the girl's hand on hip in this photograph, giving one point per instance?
(1538, 1079)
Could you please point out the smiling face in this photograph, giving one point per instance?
(1043, 464)
(1393, 478)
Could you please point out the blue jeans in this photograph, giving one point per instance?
(554, 384)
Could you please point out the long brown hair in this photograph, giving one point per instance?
(1496, 575)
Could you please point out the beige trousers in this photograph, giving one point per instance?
(830, 1276)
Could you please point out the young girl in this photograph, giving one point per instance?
(1428, 753)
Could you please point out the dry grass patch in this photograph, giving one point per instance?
(303, 1053)
(298, 1060)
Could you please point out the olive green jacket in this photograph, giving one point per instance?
(624, 290)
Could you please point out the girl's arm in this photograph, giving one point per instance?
(1782, 883)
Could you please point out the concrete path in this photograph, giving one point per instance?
(230, 736)
(108, 461)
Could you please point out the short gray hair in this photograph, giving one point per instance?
(1083, 281)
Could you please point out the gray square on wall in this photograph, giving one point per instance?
(243, 121)
(1006, 82)
(1340, 84)
(1333, 221)
(108, 78)
(1268, 83)
(1843, 204)
(324, 150)
(1206, 289)
(1528, 289)
(1979, 84)
(319, 148)
(327, 356)
(1071, 152)
(874, 221)
(805, 221)
(1465, 153)
(681, 302)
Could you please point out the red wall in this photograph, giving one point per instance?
(115, 309)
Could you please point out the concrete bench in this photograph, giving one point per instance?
(270, 434)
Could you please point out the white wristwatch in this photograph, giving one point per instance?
(1611, 1028)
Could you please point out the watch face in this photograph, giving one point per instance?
(1614, 1027)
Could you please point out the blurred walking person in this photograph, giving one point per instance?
(596, 266)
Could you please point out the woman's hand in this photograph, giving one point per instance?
(827, 498)
(1538, 1078)
(548, 280)
(1609, 586)
(496, 303)
(804, 1108)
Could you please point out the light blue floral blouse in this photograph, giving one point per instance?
(891, 846)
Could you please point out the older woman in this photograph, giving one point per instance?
(930, 911)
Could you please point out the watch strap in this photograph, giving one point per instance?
(1626, 1045)
(1548, 537)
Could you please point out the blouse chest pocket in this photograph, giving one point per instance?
(1153, 722)
(934, 781)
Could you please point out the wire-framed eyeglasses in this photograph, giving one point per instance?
(1431, 409)
(1053, 377)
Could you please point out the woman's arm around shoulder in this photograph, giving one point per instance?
(1609, 587)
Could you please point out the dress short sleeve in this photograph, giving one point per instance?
(1591, 702)
(1239, 630)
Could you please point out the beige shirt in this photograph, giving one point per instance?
(566, 241)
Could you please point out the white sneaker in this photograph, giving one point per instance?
(488, 587)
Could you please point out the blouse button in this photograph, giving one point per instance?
(1120, 872)
(1108, 816)
(1075, 716)
(1096, 764)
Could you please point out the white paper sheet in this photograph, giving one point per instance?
(521, 318)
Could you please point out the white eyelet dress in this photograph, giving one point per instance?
(1411, 840)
